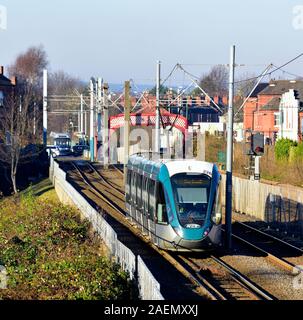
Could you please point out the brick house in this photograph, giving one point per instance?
(262, 110)
(6, 85)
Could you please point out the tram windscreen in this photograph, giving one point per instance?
(191, 193)
(63, 142)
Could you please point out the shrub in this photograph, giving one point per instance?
(282, 148)
(298, 152)
(49, 254)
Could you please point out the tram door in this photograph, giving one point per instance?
(145, 185)
(152, 210)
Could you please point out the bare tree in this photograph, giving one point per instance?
(28, 66)
(61, 83)
(17, 113)
(15, 133)
(216, 81)
(243, 87)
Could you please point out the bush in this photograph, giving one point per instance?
(282, 148)
(49, 253)
(298, 152)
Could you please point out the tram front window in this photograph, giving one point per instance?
(191, 193)
(63, 142)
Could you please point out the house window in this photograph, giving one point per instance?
(1, 99)
(277, 119)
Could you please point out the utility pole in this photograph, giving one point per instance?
(157, 124)
(91, 124)
(45, 107)
(105, 125)
(79, 121)
(229, 162)
(34, 131)
(85, 123)
(81, 116)
(127, 107)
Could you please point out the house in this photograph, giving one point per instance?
(291, 115)
(6, 85)
(262, 110)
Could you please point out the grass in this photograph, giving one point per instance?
(49, 253)
(271, 169)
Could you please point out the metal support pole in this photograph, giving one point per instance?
(157, 124)
(105, 125)
(45, 107)
(81, 116)
(229, 162)
(79, 121)
(91, 124)
(99, 130)
(34, 130)
(257, 168)
(85, 124)
(127, 108)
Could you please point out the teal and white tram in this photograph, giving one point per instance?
(175, 202)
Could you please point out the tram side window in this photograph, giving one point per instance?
(128, 194)
(133, 187)
(144, 195)
(139, 190)
(161, 205)
(151, 197)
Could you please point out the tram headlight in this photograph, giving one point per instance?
(217, 218)
(206, 232)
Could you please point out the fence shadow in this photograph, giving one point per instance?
(284, 215)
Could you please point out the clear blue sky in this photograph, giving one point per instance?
(122, 39)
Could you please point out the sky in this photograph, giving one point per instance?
(122, 39)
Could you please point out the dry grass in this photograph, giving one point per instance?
(271, 169)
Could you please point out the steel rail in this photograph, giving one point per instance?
(191, 276)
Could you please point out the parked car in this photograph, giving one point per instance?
(79, 149)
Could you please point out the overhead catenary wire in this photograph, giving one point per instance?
(273, 71)
(204, 92)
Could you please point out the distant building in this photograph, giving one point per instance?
(6, 85)
(262, 110)
(291, 116)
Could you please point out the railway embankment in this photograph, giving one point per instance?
(49, 252)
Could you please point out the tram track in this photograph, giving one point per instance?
(120, 215)
(275, 250)
(107, 181)
(207, 285)
(211, 276)
(223, 281)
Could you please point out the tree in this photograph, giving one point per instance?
(242, 90)
(61, 83)
(214, 83)
(17, 113)
(16, 130)
(28, 66)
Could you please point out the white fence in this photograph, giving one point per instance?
(253, 197)
(149, 288)
(148, 285)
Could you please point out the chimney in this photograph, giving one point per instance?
(1, 70)
(14, 81)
